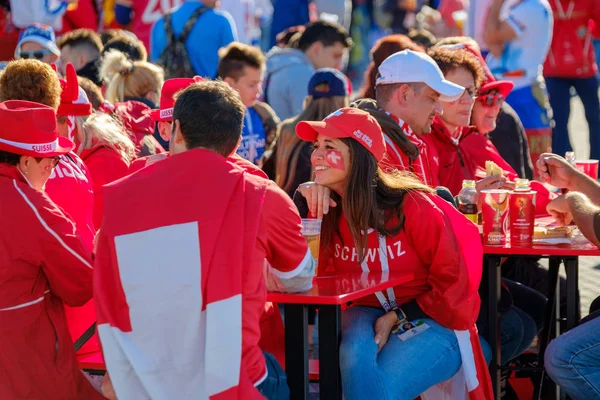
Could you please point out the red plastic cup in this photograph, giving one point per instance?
(494, 210)
(588, 167)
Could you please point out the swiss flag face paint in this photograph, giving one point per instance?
(335, 159)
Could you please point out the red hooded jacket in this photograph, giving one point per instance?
(466, 160)
(43, 263)
(135, 117)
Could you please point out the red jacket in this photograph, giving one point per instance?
(170, 289)
(572, 54)
(70, 187)
(43, 262)
(106, 165)
(466, 160)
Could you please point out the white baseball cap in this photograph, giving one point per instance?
(409, 66)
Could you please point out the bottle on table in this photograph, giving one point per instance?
(468, 199)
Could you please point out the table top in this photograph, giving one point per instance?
(340, 289)
(563, 250)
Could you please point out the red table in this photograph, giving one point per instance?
(569, 255)
(329, 294)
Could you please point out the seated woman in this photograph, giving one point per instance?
(43, 262)
(133, 88)
(392, 222)
(463, 150)
(289, 161)
(522, 307)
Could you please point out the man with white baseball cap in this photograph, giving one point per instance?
(410, 88)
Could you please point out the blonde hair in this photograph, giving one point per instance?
(288, 150)
(125, 78)
(103, 130)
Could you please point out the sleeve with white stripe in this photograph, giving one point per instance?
(65, 259)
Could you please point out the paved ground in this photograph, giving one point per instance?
(589, 267)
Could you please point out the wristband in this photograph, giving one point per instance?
(401, 317)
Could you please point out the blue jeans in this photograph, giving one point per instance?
(402, 370)
(560, 100)
(275, 386)
(573, 361)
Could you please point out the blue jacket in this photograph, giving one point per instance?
(286, 83)
(213, 30)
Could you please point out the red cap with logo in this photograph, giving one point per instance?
(347, 123)
(167, 102)
(29, 129)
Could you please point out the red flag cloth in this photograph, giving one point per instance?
(168, 289)
(466, 160)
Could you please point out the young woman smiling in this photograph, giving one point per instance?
(391, 222)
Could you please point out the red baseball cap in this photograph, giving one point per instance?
(346, 123)
(29, 129)
(490, 83)
(169, 89)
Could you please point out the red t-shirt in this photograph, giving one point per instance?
(281, 243)
(145, 14)
(572, 50)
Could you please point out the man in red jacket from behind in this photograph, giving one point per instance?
(185, 322)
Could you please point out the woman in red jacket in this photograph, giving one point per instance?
(107, 152)
(43, 262)
(401, 343)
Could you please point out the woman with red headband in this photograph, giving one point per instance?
(43, 262)
(404, 342)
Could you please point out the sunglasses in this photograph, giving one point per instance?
(53, 160)
(38, 54)
(491, 100)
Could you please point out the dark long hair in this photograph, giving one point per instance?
(372, 199)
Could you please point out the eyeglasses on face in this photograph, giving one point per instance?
(491, 99)
(53, 160)
(38, 54)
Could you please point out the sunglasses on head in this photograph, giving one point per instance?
(491, 99)
(38, 54)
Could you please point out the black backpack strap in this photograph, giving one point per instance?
(169, 28)
(85, 336)
(191, 22)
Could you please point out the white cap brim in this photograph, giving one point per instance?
(448, 91)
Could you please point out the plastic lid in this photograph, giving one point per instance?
(468, 183)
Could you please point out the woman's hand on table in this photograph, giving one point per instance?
(560, 210)
(318, 198)
(383, 327)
